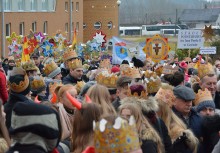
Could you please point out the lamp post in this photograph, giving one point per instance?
(118, 3)
(3, 30)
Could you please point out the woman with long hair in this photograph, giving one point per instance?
(151, 141)
(99, 94)
(176, 128)
(83, 134)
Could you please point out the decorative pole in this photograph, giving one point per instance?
(118, 3)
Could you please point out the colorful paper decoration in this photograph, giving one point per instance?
(156, 48)
(208, 33)
(100, 38)
(39, 37)
(121, 50)
(47, 48)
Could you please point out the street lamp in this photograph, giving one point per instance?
(118, 3)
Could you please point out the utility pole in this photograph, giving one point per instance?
(3, 30)
(70, 20)
(175, 23)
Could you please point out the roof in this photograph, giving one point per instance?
(190, 15)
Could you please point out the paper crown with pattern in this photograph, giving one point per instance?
(50, 68)
(22, 85)
(159, 70)
(53, 86)
(203, 95)
(37, 83)
(105, 63)
(165, 94)
(153, 84)
(29, 66)
(205, 69)
(137, 89)
(168, 69)
(120, 137)
(76, 63)
(79, 85)
(69, 54)
(124, 67)
(131, 72)
(107, 79)
(149, 74)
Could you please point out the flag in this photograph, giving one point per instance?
(25, 54)
(74, 39)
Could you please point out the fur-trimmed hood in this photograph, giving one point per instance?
(146, 105)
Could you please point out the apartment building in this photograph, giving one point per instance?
(49, 16)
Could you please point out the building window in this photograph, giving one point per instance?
(34, 26)
(66, 6)
(8, 5)
(45, 28)
(21, 5)
(97, 25)
(66, 27)
(77, 6)
(33, 5)
(8, 29)
(21, 29)
(77, 26)
(54, 4)
(84, 26)
(110, 25)
(44, 5)
(72, 5)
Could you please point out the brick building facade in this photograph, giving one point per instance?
(84, 14)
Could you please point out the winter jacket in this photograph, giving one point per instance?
(3, 87)
(148, 146)
(70, 80)
(217, 148)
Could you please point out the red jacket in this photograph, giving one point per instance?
(3, 87)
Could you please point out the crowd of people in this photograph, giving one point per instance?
(92, 106)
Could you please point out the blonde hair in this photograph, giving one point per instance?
(60, 90)
(145, 130)
(99, 94)
(175, 125)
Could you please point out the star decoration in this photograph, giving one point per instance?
(47, 48)
(94, 46)
(100, 38)
(13, 38)
(208, 33)
(32, 43)
(39, 37)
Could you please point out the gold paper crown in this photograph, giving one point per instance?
(53, 86)
(202, 96)
(149, 74)
(165, 94)
(168, 69)
(37, 83)
(118, 138)
(205, 69)
(49, 68)
(22, 85)
(76, 63)
(143, 93)
(18, 62)
(105, 63)
(79, 85)
(107, 79)
(123, 67)
(29, 66)
(159, 70)
(153, 84)
(131, 72)
(69, 54)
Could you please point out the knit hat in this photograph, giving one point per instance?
(203, 100)
(35, 124)
(19, 81)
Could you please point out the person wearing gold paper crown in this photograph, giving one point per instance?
(68, 56)
(75, 73)
(52, 73)
(150, 140)
(19, 86)
(114, 135)
(183, 139)
(38, 89)
(208, 79)
(30, 68)
(137, 93)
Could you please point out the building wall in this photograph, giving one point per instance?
(56, 20)
(102, 11)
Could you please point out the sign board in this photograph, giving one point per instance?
(208, 50)
(190, 39)
(156, 48)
